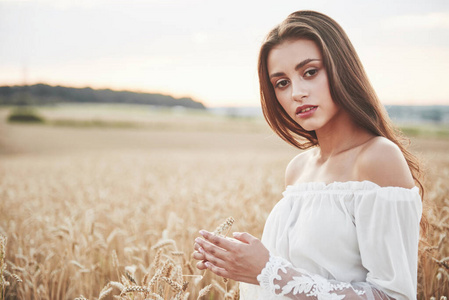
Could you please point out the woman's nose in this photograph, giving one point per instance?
(298, 92)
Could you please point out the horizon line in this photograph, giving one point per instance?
(177, 96)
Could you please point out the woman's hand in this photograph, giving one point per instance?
(240, 259)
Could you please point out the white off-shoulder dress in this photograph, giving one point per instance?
(343, 240)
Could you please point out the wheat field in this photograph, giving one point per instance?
(111, 212)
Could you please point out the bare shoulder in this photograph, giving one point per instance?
(382, 162)
(296, 166)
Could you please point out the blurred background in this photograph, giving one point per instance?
(126, 124)
(207, 50)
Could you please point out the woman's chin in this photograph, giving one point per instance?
(307, 128)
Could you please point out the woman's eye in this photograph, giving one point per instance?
(281, 83)
(310, 73)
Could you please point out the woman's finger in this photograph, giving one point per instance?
(198, 256)
(211, 249)
(244, 237)
(201, 266)
(217, 270)
(213, 259)
(196, 246)
(219, 241)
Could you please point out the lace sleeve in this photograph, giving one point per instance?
(279, 278)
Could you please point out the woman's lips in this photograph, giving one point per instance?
(305, 111)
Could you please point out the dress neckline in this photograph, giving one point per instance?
(343, 185)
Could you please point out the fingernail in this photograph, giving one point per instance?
(198, 240)
(235, 233)
(201, 250)
(202, 232)
(207, 264)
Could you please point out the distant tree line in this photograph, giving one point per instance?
(43, 94)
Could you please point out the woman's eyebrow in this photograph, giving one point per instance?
(305, 62)
(298, 66)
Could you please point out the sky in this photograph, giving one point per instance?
(207, 49)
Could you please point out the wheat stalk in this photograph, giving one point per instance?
(105, 292)
(204, 291)
(164, 243)
(130, 277)
(224, 227)
(3, 282)
(135, 288)
(157, 258)
(174, 285)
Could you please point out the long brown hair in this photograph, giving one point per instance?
(348, 83)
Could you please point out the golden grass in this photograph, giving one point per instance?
(95, 214)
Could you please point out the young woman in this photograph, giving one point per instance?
(348, 224)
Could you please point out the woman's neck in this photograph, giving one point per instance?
(340, 136)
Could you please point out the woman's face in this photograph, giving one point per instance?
(300, 82)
